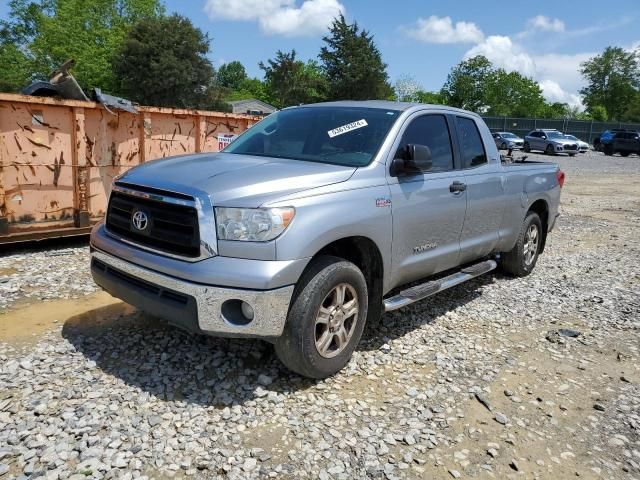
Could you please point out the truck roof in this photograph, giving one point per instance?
(384, 104)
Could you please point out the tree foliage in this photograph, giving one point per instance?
(511, 94)
(406, 89)
(163, 61)
(290, 81)
(353, 64)
(613, 80)
(231, 75)
(465, 85)
(40, 35)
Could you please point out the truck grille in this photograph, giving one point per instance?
(161, 226)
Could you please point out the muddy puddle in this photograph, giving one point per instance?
(25, 324)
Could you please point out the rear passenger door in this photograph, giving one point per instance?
(428, 209)
(485, 192)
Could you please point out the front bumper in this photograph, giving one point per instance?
(192, 306)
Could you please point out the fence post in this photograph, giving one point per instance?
(590, 132)
(504, 124)
(535, 123)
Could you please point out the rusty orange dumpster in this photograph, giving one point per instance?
(59, 157)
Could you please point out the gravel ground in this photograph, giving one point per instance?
(485, 380)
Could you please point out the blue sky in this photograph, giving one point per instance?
(424, 39)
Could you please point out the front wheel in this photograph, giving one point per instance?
(608, 149)
(522, 258)
(326, 318)
(503, 146)
(526, 147)
(624, 154)
(549, 150)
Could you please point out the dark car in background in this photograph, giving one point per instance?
(625, 143)
(605, 137)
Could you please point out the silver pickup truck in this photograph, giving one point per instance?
(310, 224)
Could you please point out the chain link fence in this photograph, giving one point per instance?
(585, 130)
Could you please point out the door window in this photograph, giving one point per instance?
(473, 154)
(431, 131)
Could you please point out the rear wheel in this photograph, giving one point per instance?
(549, 150)
(326, 319)
(522, 258)
(608, 149)
(624, 154)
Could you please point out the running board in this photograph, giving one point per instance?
(424, 290)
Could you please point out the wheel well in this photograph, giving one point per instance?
(364, 253)
(542, 209)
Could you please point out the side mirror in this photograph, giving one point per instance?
(411, 160)
(544, 137)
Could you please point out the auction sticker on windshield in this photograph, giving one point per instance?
(347, 128)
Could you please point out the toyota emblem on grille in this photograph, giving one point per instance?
(139, 220)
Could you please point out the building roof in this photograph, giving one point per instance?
(247, 101)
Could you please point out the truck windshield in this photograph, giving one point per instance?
(349, 136)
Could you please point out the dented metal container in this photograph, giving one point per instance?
(59, 157)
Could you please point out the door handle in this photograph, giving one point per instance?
(457, 187)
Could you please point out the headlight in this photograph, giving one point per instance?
(252, 224)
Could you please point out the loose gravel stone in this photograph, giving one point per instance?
(118, 394)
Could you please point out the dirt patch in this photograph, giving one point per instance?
(24, 325)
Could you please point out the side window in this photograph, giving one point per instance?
(473, 153)
(431, 131)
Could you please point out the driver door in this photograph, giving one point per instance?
(428, 207)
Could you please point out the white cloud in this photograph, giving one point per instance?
(553, 92)
(503, 53)
(442, 30)
(558, 74)
(278, 17)
(545, 24)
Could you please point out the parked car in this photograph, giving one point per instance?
(507, 140)
(624, 143)
(605, 137)
(312, 222)
(549, 141)
(583, 147)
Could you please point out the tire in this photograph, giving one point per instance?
(516, 262)
(608, 149)
(503, 146)
(625, 154)
(298, 347)
(549, 150)
(572, 154)
(526, 147)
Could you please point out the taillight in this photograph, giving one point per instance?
(560, 177)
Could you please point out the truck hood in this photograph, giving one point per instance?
(233, 180)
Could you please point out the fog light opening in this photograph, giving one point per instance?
(237, 312)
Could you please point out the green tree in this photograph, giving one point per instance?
(231, 75)
(511, 94)
(48, 32)
(613, 79)
(598, 113)
(465, 85)
(433, 98)
(353, 64)
(632, 112)
(250, 88)
(163, 62)
(290, 81)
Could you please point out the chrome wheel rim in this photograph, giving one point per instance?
(336, 320)
(531, 244)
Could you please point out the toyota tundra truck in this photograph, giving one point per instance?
(317, 220)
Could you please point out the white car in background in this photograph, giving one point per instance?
(583, 147)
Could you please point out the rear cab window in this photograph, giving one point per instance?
(471, 145)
